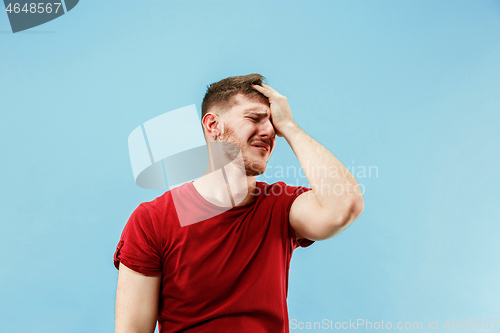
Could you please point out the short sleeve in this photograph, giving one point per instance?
(137, 248)
(292, 192)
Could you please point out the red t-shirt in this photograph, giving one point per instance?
(228, 273)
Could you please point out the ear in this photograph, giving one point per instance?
(210, 124)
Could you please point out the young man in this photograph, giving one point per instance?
(213, 255)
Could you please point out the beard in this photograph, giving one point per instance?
(253, 167)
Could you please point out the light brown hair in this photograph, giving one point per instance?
(220, 94)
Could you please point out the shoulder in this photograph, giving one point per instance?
(162, 202)
(281, 189)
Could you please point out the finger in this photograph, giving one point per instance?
(270, 88)
(258, 87)
(262, 90)
(266, 91)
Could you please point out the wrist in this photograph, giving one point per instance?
(288, 128)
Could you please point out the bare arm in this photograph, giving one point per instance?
(137, 298)
(335, 200)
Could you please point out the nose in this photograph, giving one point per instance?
(266, 131)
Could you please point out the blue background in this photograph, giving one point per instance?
(410, 87)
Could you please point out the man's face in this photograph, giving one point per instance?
(248, 124)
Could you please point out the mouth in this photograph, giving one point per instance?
(261, 145)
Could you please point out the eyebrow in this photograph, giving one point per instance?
(256, 112)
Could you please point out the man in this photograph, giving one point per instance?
(213, 255)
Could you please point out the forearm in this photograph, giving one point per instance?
(333, 186)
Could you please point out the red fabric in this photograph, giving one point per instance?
(228, 273)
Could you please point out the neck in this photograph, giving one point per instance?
(225, 182)
(226, 187)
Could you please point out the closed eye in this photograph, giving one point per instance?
(254, 119)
